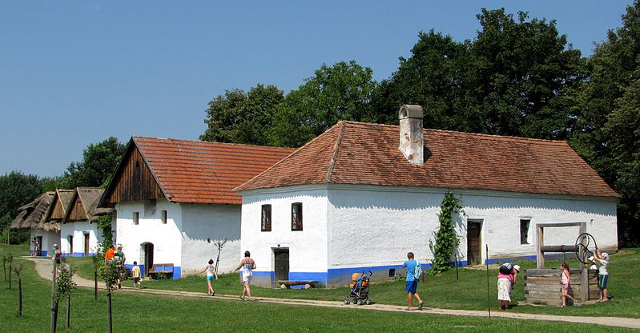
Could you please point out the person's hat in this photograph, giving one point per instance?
(55, 246)
(517, 268)
(605, 255)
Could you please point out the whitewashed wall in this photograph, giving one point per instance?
(202, 226)
(373, 227)
(166, 238)
(399, 220)
(48, 239)
(77, 230)
(307, 248)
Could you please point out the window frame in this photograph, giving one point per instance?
(266, 224)
(136, 218)
(526, 221)
(297, 225)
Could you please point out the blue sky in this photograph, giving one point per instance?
(76, 72)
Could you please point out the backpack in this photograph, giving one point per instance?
(417, 272)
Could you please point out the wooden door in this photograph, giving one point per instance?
(70, 238)
(86, 244)
(281, 264)
(474, 249)
(148, 258)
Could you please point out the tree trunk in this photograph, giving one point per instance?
(68, 311)
(4, 270)
(109, 308)
(19, 297)
(10, 282)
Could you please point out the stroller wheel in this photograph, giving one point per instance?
(360, 302)
(347, 302)
(369, 302)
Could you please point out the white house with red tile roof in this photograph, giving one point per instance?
(360, 196)
(174, 200)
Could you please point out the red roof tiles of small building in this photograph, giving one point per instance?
(368, 154)
(205, 172)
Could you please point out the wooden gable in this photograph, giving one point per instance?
(57, 211)
(78, 212)
(133, 180)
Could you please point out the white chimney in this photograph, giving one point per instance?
(411, 138)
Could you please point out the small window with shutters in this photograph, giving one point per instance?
(265, 220)
(296, 216)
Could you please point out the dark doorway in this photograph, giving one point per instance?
(38, 248)
(86, 244)
(70, 239)
(148, 257)
(281, 264)
(474, 250)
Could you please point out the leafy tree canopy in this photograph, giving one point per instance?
(241, 117)
(99, 161)
(340, 92)
(16, 189)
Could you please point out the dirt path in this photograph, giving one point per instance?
(44, 270)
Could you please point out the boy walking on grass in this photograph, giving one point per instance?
(135, 272)
(412, 280)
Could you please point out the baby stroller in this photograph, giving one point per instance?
(359, 293)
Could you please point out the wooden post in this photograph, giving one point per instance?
(19, 296)
(456, 267)
(10, 277)
(54, 304)
(584, 269)
(95, 282)
(539, 244)
(69, 311)
(109, 307)
(488, 297)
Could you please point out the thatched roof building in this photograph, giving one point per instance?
(30, 215)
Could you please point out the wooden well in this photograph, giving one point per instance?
(543, 286)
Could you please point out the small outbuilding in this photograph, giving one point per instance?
(174, 201)
(79, 232)
(29, 217)
(361, 195)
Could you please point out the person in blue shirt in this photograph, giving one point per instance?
(412, 282)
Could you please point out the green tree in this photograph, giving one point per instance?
(98, 163)
(340, 92)
(524, 76)
(603, 133)
(16, 189)
(436, 76)
(241, 117)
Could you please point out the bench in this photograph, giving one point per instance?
(161, 269)
(287, 284)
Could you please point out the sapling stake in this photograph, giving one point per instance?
(54, 304)
(10, 269)
(4, 268)
(488, 298)
(18, 269)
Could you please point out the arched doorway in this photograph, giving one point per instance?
(146, 257)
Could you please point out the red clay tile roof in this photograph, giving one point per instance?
(367, 154)
(205, 172)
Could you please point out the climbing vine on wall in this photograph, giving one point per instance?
(104, 224)
(446, 240)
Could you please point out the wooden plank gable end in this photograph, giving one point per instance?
(78, 212)
(134, 181)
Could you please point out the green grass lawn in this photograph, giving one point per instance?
(155, 313)
(469, 292)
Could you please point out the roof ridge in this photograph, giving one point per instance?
(295, 152)
(492, 136)
(208, 142)
(334, 155)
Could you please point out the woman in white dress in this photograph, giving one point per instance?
(247, 265)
